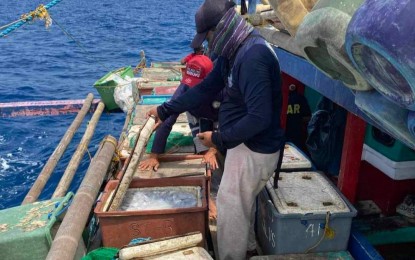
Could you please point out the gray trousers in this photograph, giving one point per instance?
(245, 174)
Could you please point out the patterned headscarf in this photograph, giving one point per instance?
(230, 32)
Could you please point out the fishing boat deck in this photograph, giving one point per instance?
(180, 162)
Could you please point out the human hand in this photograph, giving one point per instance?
(151, 163)
(210, 158)
(206, 138)
(153, 112)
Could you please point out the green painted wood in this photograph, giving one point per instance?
(26, 231)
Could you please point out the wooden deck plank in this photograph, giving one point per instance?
(141, 111)
(174, 169)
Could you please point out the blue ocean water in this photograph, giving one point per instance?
(87, 39)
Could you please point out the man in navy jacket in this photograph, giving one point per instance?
(248, 72)
(197, 68)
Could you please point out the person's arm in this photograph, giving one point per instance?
(203, 92)
(161, 135)
(256, 77)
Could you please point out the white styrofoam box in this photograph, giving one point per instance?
(294, 159)
(305, 192)
(182, 128)
(297, 221)
(395, 170)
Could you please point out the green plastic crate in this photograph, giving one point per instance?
(106, 85)
(26, 231)
(387, 145)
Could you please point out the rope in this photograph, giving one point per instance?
(109, 140)
(79, 45)
(89, 154)
(88, 55)
(40, 12)
(327, 233)
(117, 153)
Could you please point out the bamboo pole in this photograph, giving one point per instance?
(124, 128)
(70, 231)
(50, 165)
(160, 246)
(120, 174)
(73, 165)
(132, 166)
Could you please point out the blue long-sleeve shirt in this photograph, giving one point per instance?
(206, 110)
(250, 111)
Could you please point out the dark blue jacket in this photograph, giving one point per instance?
(206, 110)
(250, 111)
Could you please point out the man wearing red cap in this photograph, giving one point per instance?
(247, 71)
(197, 68)
(196, 51)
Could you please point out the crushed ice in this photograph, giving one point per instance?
(161, 198)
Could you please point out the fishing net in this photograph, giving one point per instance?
(103, 253)
(174, 140)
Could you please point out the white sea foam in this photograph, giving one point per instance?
(4, 165)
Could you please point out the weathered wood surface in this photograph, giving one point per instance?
(174, 169)
(50, 165)
(129, 174)
(66, 240)
(161, 246)
(139, 116)
(76, 159)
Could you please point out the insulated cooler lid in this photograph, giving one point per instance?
(294, 159)
(305, 192)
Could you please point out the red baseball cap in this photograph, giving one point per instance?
(196, 70)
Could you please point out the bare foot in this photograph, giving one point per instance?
(212, 209)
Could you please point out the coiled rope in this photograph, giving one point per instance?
(41, 12)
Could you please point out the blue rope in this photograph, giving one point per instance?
(138, 240)
(28, 19)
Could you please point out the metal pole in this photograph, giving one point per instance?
(67, 238)
(73, 165)
(50, 165)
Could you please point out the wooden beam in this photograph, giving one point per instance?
(50, 165)
(70, 231)
(354, 136)
(132, 166)
(76, 159)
